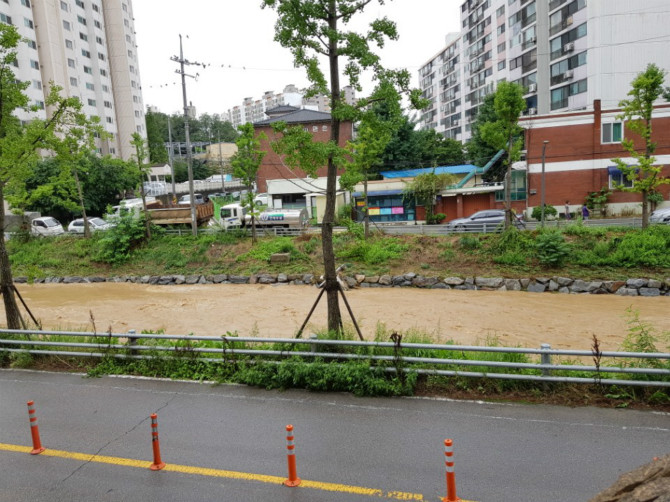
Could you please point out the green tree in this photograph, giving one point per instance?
(646, 89)
(505, 133)
(139, 161)
(314, 29)
(425, 188)
(245, 164)
(157, 136)
(19, 148)
(479, 152)
(435, 150)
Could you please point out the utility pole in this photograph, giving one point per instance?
(223, 174)
(189, 163)
(171, 158)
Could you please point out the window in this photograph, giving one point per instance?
(39, 104)
(91, 102)
(130, 53)
(105, 88)
(70, 62)
(101, 56)
(500, 11)
(95, 8)
(136, 99)
(501, 47)
(617, 178)
(63, 6)
(82, 20)
(112, 150)
(517, 187)
(103, 72)
(69, 44)
(97, 24)
(5, 18)
(83, 36)
(99, 40)
(137, 114)
(28, 23)
(37, 84)
(25, 3)
(88, 69)
(324, 128)
(132, 69)
(612, 132)
(108, 104)
(31, 44)
(315, 128)
(85, 53)
(34, 64)
(559, 97)
(501, 65)
(90, 86)
(128, 39)
(501, 29)
(66, 25)
(79, 3)
(109, 120)
(124, 7)
(73, 81)
(126, 23)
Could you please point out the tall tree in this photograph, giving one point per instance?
(479, 152)
(318, 28)
(142, 168)
(505, 133)
(646, 89)
(157, 136)
(245, 164)
(19, 148)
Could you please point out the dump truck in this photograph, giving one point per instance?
(181, 214)
(237, 216)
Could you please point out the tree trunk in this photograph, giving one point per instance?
(508, 186)
(331, 286)
(87, 228)
(366, 217)
(147, 218)
(12, 313)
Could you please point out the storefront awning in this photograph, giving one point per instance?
(379, 193)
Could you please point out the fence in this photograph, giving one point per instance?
(424, 359)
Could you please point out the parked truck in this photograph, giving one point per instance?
(237, 216)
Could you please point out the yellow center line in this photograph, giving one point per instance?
(204, 471)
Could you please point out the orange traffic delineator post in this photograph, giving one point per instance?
(34, 430)
(158, 463)
(451, 476)
(293, 479)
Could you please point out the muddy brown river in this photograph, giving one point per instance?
(466, 317)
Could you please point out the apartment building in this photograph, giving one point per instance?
(253, 110)
(565, 53)
(88, 48)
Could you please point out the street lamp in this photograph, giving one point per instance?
(542, 188)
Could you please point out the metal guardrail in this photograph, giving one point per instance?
(227, 348)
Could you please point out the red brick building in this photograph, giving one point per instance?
(579, 156)
(318, 123)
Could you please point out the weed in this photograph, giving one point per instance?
(469, 242)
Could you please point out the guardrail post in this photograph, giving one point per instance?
(313, 347)
(34, 430)
(132, 341)
(158, 464)
(451, 475)
(293, 479)
(545, 359)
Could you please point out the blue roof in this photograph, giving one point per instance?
(412, 173)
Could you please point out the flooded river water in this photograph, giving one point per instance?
(466, 317)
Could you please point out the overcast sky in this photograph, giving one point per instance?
(234, 38)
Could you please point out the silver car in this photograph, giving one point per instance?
(488, 220)
(95, 224)
(660, 216)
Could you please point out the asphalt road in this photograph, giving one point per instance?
(347, 448)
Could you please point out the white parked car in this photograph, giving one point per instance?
(660, 216)
(95, 224)
(262, 199)
(46, 225)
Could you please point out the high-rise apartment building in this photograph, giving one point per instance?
(253, 110)
(88, 48)
(565, 53)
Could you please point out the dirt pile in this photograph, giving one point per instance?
(649, 483)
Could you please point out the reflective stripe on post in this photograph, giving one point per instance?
(293, 479)
(158, 464)
(34, 430)
(451, 476)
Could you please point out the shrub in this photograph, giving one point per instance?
(116, 244)
(469, 242)
(549, 211)
(552, 250)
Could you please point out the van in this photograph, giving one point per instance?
(46, 225)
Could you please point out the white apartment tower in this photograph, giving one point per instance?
(88, 48)
(565, 53)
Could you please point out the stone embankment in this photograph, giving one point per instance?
(630, 287)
